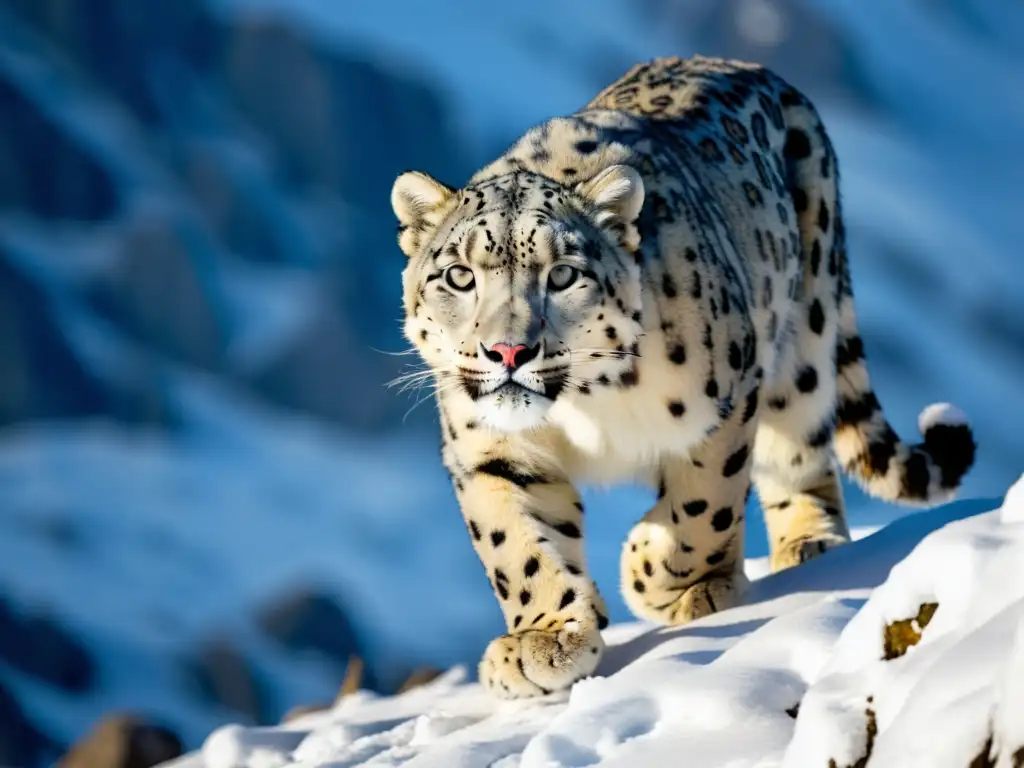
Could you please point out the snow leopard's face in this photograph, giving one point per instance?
(517, 291)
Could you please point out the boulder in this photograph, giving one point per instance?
(224, 676)
(310, 621)
(903, 634)
(123, 741)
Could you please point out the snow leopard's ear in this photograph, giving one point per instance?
(420, 202)
(617, 195)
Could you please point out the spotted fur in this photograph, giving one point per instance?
(672, 257)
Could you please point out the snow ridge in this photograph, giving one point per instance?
(789, 679)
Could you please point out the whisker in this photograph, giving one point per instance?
(416, 379)
(413, 373)
(410, 380)
(416, 405)
(409, 351)
(436, 390)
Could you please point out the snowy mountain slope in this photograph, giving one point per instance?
(784, 680)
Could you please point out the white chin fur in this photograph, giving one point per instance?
(940, 413)
(506, 416)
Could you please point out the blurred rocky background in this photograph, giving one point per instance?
(210, 501)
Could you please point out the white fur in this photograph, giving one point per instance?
(509, 412)
(617, 192)
(415, 193)
(940, 413)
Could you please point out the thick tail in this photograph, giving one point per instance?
(869, 449)
(865, 444)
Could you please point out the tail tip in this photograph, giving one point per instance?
(949, 440)
(941, 414)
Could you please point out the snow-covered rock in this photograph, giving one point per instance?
(950, 696)
(797, 676)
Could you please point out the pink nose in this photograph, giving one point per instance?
(508, 353)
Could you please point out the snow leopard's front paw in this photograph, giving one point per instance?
(800, 549)
(539, 661)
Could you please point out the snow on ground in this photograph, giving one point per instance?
(960, 687)
(791, 678)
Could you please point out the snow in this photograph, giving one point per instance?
(934, 705)
(724, 690)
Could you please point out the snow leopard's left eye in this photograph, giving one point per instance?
(562, 276)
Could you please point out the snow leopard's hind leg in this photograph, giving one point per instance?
(795, 471)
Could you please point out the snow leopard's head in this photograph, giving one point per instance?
(519, 290)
